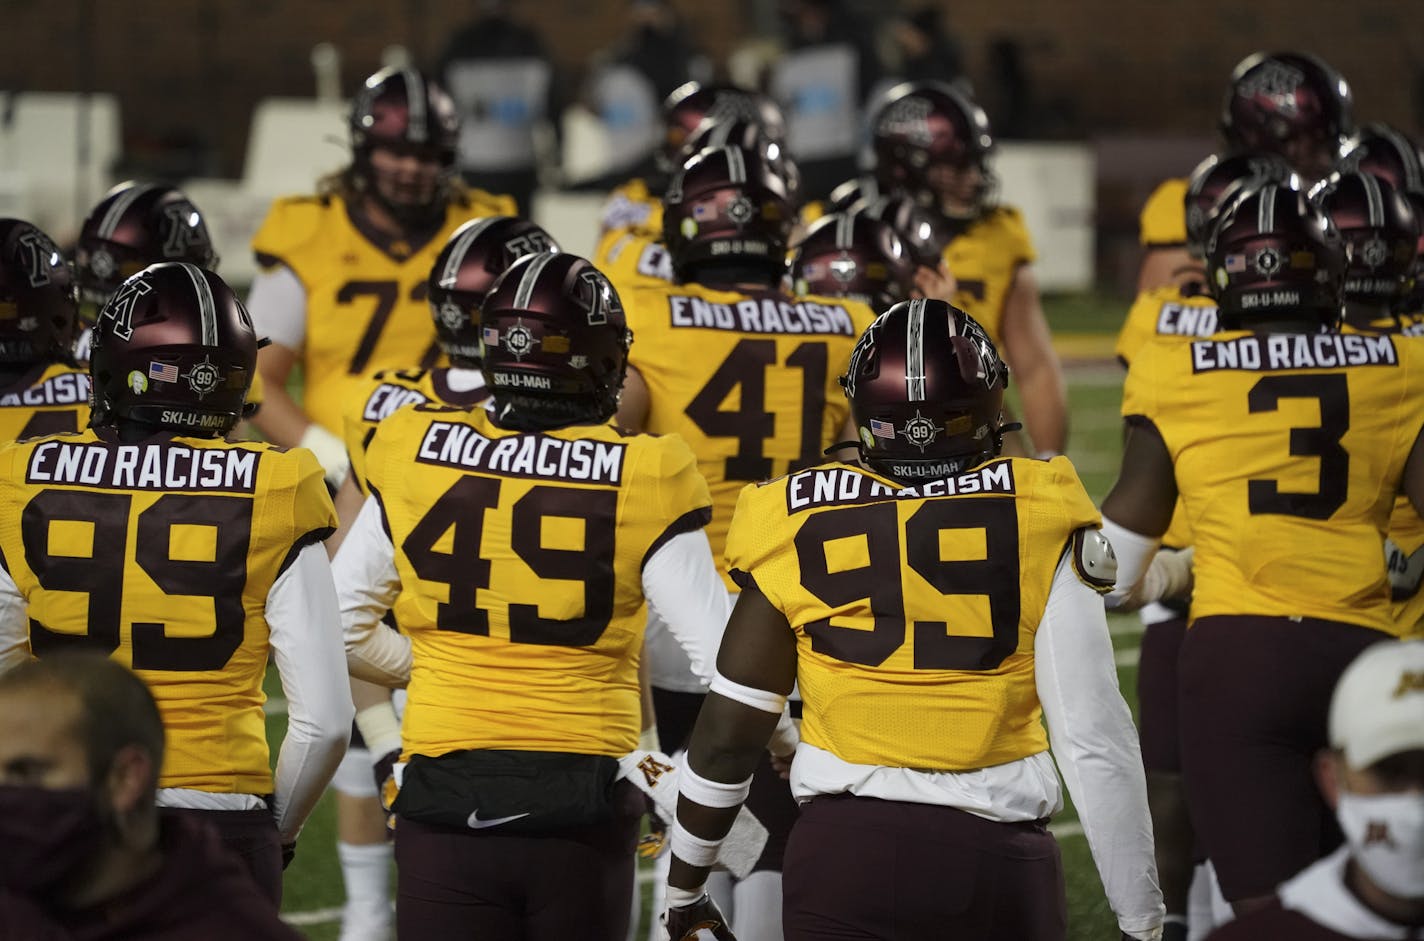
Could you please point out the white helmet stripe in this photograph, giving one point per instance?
(207, 306)
(415, 105)
(736, 165)
(1374, 200)
(1266, 209)
(915, 352)
(530, 278)
(467, 236)
(845, 230)
(120, 206)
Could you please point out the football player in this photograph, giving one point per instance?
(1379, 226)
(745, 373)
(933, 143)
(1286, 442)
(1185, 309)
(1289, 104)
(42, 391)
(923, 768)
(191, 559)
(342, 284)
(477, 253)
(518, 544)
(1373, 775)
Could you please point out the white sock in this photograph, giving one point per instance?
(757, 901)
(366, 870)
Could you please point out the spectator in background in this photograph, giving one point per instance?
(503, 84)
(823, 80)
(926, 51)
(87, 853)
(631, 78)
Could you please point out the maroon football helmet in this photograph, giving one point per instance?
(922, 230)
(1216, 178)
(1288, 103)
(855, 256)
(926, 390)
(924, 124)
(726, 205)
(1387, 153)
(714, 133)
(555, 343)
(136, 225)
(478, 253)
(1273, 255)
(1379, 230)
(691, 103)
(38, 315)
(407, 112)
(173, 348)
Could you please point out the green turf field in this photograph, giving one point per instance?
(313, 893)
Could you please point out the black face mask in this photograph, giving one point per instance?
(50, 837)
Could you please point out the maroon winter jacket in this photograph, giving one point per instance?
(201, 891)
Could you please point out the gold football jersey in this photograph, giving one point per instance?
(984, 259)
(161, 554)
(915, 608)
(49, 399)
(392, 389)
(520, 558)
(635, 209)
(1163, 220)
(749, 381)
(632, 261)
(1164, 311)
(1288, 450)
(366, 293)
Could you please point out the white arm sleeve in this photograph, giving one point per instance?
(1134, 553)
(1095, 744)
(681, 583)
(278, 305)
(14, 625)
(306, 643)
(366, 586)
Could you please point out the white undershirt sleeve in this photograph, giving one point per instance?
(1095, 744)
(305, 633)
(1134, 553)
(278, 305)
(682, 585)
(366, 586)
(14, 625)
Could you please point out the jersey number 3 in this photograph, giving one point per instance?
(1322, 441)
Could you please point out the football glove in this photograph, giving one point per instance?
(683, 922)
(330, 453)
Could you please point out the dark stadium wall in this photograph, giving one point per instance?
(187, 72)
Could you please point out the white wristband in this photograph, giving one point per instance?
(673, 897)
(691, 849)
(708, 793)
(762, 699)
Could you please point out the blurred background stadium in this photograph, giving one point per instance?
(1094, 102)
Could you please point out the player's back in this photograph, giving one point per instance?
(390, 390)
(915, 607)
(1288, 450)
(46, 399)
(748, 379)
(520, 559)
(1165, 311)
(161, 554)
